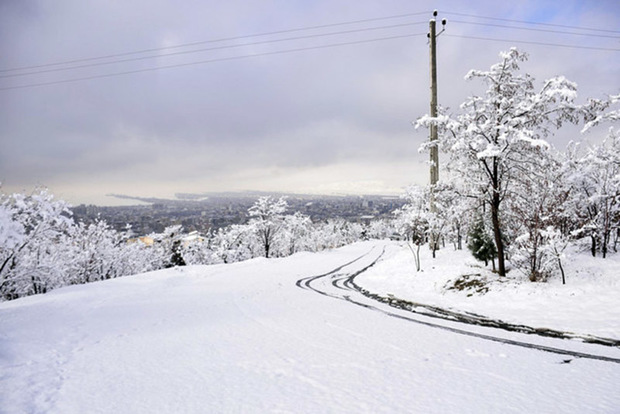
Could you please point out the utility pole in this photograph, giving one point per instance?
(432, 37)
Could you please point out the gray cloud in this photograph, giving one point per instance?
(333, 119)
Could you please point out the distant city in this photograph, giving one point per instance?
(209, 212)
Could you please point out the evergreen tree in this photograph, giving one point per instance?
(480, 243)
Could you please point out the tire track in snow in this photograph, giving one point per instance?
(336, 282)
(306, 283)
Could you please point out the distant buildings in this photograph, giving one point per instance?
(217, 212)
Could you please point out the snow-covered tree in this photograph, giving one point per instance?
(413, 220)
(488, 141)
(538, 201)
(34, 229)
(231, 244)
(134, 257)
(199, 250)
(555, 244)
(453, 211)
(267, 219)
(295, 234)
(96, 248)
(380, 229)
(595, 178)
(335, 232)
(167, 247)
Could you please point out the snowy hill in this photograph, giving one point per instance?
(285, 335)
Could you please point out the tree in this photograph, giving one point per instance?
(413, 221)
(489, 140)
(480, 242)
(231, 244)
(555, 244)
(539, 201)
(380, 229)
(295, 233)
(34, 229)
(167, 248)
(133, 257)
(96, 250)
(199, 250)
(267, 220)
(453, 210)
(595, 178)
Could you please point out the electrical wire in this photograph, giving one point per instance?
(534, 43)
(81, 63)
(536, 30)
(262, 42)
(298, 29)
(533, 23)
(109, 75)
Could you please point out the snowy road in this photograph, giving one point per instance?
(245, 338)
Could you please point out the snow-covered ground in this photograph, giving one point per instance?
(244, 338)
(588, 304)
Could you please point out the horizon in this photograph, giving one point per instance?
(125, 200)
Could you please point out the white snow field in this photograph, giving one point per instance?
(256, 337)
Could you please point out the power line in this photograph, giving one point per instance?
(109, 75)
(322, 26)
(535, 43)
(534, 23)
(536, 30)
(51, 65)
(209, 49)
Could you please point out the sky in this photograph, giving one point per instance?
(326, 110)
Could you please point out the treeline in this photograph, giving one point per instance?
(43, 248)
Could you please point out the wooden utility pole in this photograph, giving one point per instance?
(432, 36)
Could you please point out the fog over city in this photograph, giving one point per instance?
(150, 98)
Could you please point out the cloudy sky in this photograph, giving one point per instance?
(151, 98)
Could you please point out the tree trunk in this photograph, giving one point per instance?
(497, 232)
(417, 258)
(606, 237)
(561, 270)
(266, 241)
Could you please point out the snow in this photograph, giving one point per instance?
(587, 304)
(245, 338)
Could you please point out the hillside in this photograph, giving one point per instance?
(257, 337)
